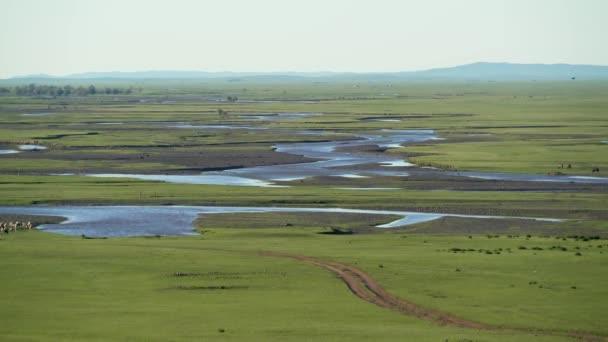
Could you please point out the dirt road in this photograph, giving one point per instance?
(364, 287)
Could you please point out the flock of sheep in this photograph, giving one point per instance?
(6, 227)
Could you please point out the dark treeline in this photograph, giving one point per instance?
(67, 90)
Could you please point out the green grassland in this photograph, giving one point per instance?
(216, 286)
(516, 154)
(532, 127)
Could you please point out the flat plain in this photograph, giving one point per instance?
(270, 276)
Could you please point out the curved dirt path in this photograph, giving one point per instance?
(366, 288)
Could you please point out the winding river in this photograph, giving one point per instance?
(335, 160)
(122, 221)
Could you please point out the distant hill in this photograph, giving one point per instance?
(36, 76)
(510, 71)
(188, 74)
(482, 71)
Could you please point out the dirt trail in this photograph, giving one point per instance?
(364, 287)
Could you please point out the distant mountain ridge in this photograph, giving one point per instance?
(475, 71)
(511, 71)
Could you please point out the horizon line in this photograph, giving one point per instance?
(287, 71)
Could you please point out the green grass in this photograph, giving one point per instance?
(551, 120)
(544, 156)
(126, 289)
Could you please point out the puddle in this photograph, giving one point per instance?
(32, 147)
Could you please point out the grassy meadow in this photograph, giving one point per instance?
(216, 286)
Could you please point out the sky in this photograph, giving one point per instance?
(62, 37)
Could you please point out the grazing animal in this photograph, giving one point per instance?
(7, 227)
(595, 169)
(569, 166)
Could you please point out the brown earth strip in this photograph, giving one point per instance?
(422, 179)
(505, 226)
(326, 223)
(169, 160)
(364, 287)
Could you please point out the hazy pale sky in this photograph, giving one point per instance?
(67, 36)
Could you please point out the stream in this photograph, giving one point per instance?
(335, 161)
(122, 221)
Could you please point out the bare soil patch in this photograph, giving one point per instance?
(346, 223)
(177, 161)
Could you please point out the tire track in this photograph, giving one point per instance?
(366, 288)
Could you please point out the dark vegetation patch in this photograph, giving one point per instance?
(85, 237)
(186, 274)
(495, 251)
(214, 275)
(59, 136)
(54, 91)
(337, 231)
(535, 245)
(210, 288)
(584, 237)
